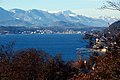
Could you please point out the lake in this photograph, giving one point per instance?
(65, 44)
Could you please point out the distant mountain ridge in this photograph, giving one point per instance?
(110, 20)
(41, 18)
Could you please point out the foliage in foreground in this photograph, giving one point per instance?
(32, 64)
(107, 68)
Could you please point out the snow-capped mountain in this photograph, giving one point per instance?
(67, 13)
(110, 20)
(5, 15)
(34, 17)
(72, 17)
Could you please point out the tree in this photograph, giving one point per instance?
(111, 5)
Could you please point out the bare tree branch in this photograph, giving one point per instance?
(111, 5)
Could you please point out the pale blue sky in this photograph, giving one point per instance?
(84, 7)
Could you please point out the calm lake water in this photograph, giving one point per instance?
(66, 44)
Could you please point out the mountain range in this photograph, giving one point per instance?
(34, 17)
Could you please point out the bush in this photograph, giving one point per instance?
(33, 64)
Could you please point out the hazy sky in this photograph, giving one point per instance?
(84, 7)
